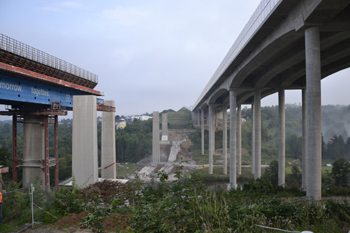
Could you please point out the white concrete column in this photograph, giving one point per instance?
(281, 138)
(304, 143)
(84, 148)
(211, 137)
(239, 139)
(202, 131)
(313, 96)
(224, 138)
(156, 143)
(253, 139)
(108, 143)
(257, 129)
(233, 139)
(33, 149)
(165, 126)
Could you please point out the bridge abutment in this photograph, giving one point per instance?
(313, 96)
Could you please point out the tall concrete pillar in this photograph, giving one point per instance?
(257, 129)
(304, 143)
(233, 139)
(84, 148)
(239, 140)
(224, 138)
(33, 149)
(281, 138)
(155, 144)
(313, 96)
(253, 140)
(211, 137)
(165, 126)
(108, 143)
(202, 131)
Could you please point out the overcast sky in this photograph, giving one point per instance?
(150, 55)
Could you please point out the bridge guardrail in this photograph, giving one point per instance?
(16, 47)
(260, 14)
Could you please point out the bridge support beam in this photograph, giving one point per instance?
(84, 148)
(202, 131)
(165, 126)
(233, 139)
(239, 139)
(155, 143)
(211, 137)
(108, 143)
(253, 139)
(257, 133)
(224, 138)
(304, 146)
(281, 138)
(313, 96)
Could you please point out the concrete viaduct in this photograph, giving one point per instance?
(286, 44)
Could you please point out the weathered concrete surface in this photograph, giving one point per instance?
(84, 148)
(202, 131)
(175, 148)
(33, 149)
(156, 144)
(313, 98)
(165, 127)
(281, 139)
(304, 143)
(253, 139)
(108, 149)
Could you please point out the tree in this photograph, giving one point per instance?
(341, 173)
(271, 173)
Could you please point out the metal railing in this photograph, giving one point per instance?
(23, 50)
(260, 14)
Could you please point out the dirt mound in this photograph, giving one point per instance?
(117, 221)
(70, 220)
(107, 190)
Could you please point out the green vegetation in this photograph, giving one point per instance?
(187, 205)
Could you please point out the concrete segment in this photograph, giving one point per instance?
(224, 138)
(84, 148)
(156, 144)
(202, 131)
(304, 143)
(108, 151)
(33, 149)
(239, 140)
(211, 137)
(313, 96)
(253, 140)
(257, 129)
(165, 126)
(233, 139)
(281, 138)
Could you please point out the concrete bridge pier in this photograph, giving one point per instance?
(165, 126)
(108, 143)
(224, 138)
(257, 133)
(233, 139)
(211, 137)
(202, 131)
(313, 96)
(304, 146)
(253, 139)
(84, 143)
(155, 142)
(33, 149)
(282, 138)
(239, 139)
